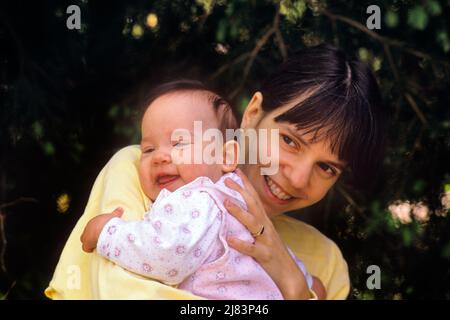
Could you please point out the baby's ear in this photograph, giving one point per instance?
(230, 156)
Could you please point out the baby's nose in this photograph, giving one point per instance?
(161, 157)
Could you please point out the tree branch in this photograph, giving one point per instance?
(387, 42)
(17, 201)
(416, 109)
(3, 242)
(382, 39)
(254, 53)
(349, 199)
(225, 67)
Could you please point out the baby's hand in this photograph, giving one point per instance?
(94, 227)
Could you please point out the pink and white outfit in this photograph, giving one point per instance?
(182, 241)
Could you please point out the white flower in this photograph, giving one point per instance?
(221, 48)
(401, 211)
(421, 212)
(445, 200)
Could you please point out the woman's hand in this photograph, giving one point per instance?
(268, 249)
(94, 227)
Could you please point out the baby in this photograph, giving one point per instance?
(182, 239)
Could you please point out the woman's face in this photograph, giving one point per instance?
(306, 170)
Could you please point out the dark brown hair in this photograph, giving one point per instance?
(223, 110)
(343, 103)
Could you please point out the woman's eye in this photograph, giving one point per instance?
(288, 140)
(328, 169)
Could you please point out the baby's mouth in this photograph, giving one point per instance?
(164, 181)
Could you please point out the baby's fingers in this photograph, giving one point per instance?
(118, 212)
(86, 246)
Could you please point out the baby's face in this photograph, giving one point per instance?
(168, 113)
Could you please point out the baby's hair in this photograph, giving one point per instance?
(223, 110)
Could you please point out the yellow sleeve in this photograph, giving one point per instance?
(320, 255)
(79, 275)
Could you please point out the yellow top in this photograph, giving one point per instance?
(80, 275)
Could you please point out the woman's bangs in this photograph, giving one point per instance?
(338, 119)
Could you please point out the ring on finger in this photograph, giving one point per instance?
(260, 232)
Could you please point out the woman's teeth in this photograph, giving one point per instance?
(276, 191)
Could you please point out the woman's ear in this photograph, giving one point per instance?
(230, 156)
(254, 112)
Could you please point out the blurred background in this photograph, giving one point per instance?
(67, 105)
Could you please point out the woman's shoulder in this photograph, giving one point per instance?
(128, 155)
(293, 230)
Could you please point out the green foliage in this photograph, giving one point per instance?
(391, 19)
(292, 10)
(418, 18)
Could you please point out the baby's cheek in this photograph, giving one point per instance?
(145, 179)
(192, 172)
(189, 172)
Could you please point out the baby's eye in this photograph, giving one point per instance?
(288, 140)
(328, 169)
(149, 150)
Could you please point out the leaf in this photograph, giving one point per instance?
(234, 31)
(49, 149)
(419, 186)
(446, 251)
(207, 5)
(243, 104)
(221, 31)
(63, 203)
(363, 54)
(137, 31)
(293, 10)
(434, 8)
(113, 111)
(407, 236)
(376, 64)
(418, 18)
(442, 39)
(38, 130)
(391, 19)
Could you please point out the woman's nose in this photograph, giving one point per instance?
(161, 157)
(299, 174)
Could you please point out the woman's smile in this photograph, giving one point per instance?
(275, 192)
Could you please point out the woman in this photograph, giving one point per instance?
(329, 115)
